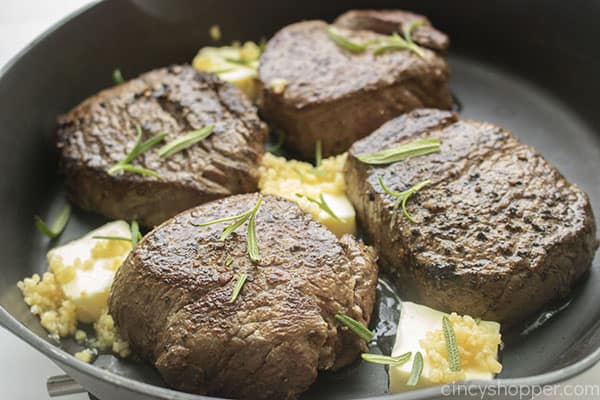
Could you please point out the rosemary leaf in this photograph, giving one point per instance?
(58, 226)
(344, 42)
(451, 345)
(417, 369)
(401, 152)
(386, 360)
(318, 153)
(252, 244)
(238, 287)
(117, 77)
(135, 233)
(228, 261)
(185, 141)
(477, 321)
(404, 196)
(122, 238)
(356, 327)
(135, 170)
(321, 203)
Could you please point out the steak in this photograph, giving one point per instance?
(99, 132)
(171, 300)
(337, 96)
(499, 230)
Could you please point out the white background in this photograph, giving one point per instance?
(23, 371)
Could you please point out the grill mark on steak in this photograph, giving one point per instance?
(500, 231)
(99, 132)
(170, 300)
(337, 96)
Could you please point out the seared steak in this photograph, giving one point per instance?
(499, 230)
(337, 96)
(171, 300)
(394, 21)
(99, 132)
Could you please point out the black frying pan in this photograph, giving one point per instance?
(531, 67)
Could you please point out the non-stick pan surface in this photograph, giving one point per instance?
(531, 67)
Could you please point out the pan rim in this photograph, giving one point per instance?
(108, 377)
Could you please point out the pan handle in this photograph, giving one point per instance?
(62, 385)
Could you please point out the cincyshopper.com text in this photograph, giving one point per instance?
(522, 392)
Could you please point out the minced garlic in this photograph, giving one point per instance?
(477, 346)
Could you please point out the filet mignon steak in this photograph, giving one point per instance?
(499, 230)
(171, 300)
(338, 96)
(99, 132)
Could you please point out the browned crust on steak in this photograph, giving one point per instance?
(171, 301)
(99, 132)
(394, 21)
(337, 96)
(500, 231)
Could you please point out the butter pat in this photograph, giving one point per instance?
(290, 178)
(420, 330)
(85, 268)
(236, 64)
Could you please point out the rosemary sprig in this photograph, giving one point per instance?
(138, 148)
(321, 203)
(401, 152)
(185, 141)
(238, 287)
(239, 220)
(277, 146)
(386, 360)
(344, 42)
(356, 327)
(117, 77)
(451, 345)
(416, 371)
(58, 226)
(404, 196)
(393, 42)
